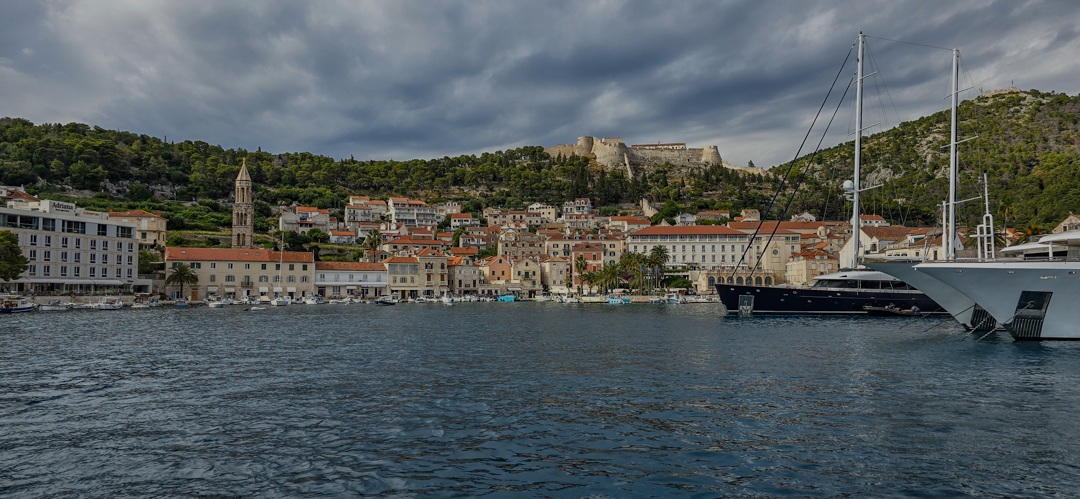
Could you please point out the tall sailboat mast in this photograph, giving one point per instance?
(950, 229)
(856, 225)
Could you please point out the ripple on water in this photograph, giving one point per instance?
(533, 399)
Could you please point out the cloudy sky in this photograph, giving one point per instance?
(403, 79)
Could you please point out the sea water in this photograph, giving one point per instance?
(528, 399)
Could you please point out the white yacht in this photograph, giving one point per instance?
(1020, 293)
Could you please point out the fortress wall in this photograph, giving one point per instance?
(676, 157)
(566, 150)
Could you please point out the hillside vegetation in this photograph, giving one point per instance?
(1027, 143)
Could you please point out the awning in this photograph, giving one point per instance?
(230, 290)
(211, 289)
(513, 289)
(263, 289)
(277, 289)
(49, 281)
(107, 282)
(292, 289)
(350, 287)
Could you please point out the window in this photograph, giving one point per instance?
(74, 227)
(230, 278)
(48, 224)
(119, 273)
(277, 266)
(63, 242)
(102, 230)
(93, 244)
(63, 256)
(304, 267)
(131, 247)
(93, 259)
(78, 272)
(263, 267)
(303, 278)
(78, 243)
(105, 258)
(124, 232)
(129, 273)
(46, 270)
(93, 271)
(213, 265)
(247, 266)
(46, 256)
(63, 271)
(48, 240)
(277, 278)
(228, 265)
(104, 245)
(33, 239)
(263, 278)
(194, 265)
(292, 266)
(32, 255)
(292, 278)
(213, 278)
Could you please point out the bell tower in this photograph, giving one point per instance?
(243, 224)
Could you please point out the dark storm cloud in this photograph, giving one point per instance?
(427, 79)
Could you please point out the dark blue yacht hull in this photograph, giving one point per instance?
(822, 300)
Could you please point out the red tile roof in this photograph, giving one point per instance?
(688, 230)
(354, 266)
(341, 233)
(133, 213)
(403, 259)
(236, 255)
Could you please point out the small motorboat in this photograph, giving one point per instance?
(55, 306)
(674, 298)
(281, 301)
(15, 304)
(618, 301)
(385, 300)
(110, 303)
(180, 303)
(507, 298)
(215, 304)
(256, 309)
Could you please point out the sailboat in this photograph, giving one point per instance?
(851, 291)
(965, 310)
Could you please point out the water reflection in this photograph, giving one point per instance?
(543, 399)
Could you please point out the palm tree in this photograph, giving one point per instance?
(182, 274)
(372, 241)
(658, 258)
(634, 264)
(581, 265)
(1030, 232)
(1008, 209)
(609, 277)
(587, 277)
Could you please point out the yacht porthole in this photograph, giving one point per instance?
(1012, 271)
(1072, 272)
(958, 271)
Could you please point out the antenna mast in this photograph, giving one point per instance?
(856, 222)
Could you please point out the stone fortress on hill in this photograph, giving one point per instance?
(614, 153)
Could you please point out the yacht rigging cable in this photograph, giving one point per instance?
(780, 187)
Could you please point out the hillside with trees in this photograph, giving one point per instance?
(1027, 143)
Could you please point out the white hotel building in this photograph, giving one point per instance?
(73, 250)
(699, 246)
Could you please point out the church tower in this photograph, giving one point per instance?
(243, 223)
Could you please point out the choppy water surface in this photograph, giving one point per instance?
(527, 399)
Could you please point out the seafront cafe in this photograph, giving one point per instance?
(46, 286)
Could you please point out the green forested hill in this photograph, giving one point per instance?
(1027, 144)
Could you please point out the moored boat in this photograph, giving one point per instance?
(15, 304)
(110, 303)
(55, 306)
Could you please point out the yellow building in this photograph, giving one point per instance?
(149, 227)
(803, 266)
(235, 273)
